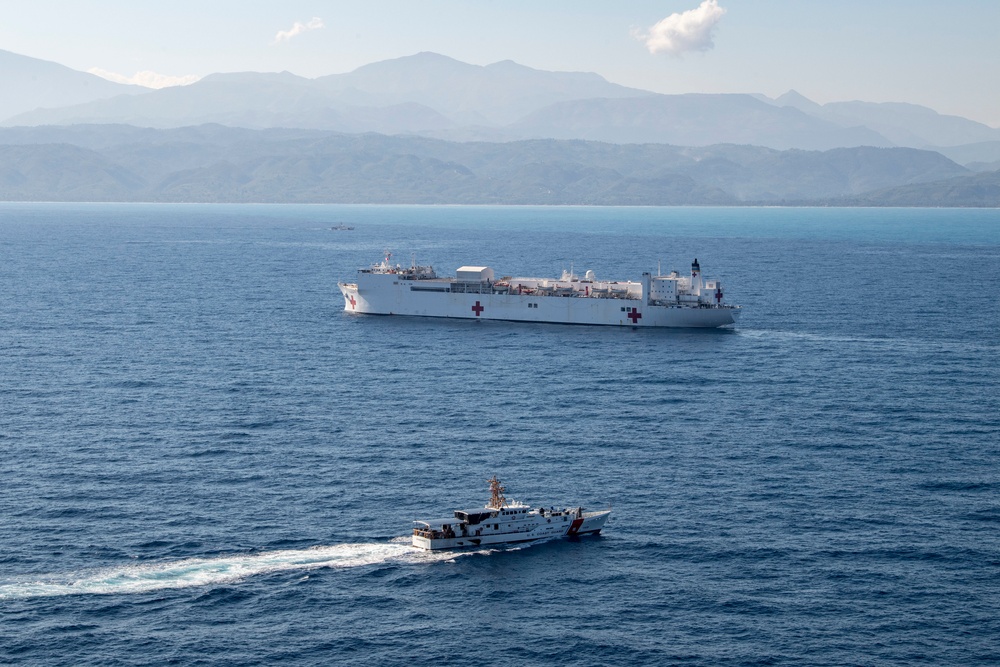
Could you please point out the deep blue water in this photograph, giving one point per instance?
(204, 461)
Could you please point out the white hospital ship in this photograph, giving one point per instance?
(504, 521)
(475, 293)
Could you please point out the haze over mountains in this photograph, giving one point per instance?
(29, 83)
(586, 140)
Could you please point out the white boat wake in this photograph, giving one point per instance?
(147, 577)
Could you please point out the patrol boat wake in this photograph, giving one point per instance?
(503, 521)
(656, 301)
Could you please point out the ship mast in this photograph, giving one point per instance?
(497, 499)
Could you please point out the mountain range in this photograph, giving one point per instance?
(489, 127)
(214, 163)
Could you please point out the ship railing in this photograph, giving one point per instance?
(613, 295)
(494, 288)
(676, 303)
(409, 274)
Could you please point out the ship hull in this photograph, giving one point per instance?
(385, 296)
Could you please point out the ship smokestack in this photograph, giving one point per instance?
(696, 277)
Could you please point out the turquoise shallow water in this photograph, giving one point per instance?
(206, 461)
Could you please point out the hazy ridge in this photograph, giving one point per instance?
(430, 129)
(215, 163)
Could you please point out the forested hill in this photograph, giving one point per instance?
(212, 163)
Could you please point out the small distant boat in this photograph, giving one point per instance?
(504, 521)
(342, 228)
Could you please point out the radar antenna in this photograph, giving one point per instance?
(497, 499)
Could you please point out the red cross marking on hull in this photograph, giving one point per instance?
(635, 315)
(478, 309)
(353, 302)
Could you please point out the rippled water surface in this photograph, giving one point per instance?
(205, 461)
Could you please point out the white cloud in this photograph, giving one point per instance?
(684, 31)
(146, 79)
(315, 23)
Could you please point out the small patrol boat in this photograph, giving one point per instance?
(504, 521)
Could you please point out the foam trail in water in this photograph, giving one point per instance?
(146, 577)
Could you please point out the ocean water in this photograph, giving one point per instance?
(203, 460)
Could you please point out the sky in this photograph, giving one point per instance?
(944, 55)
